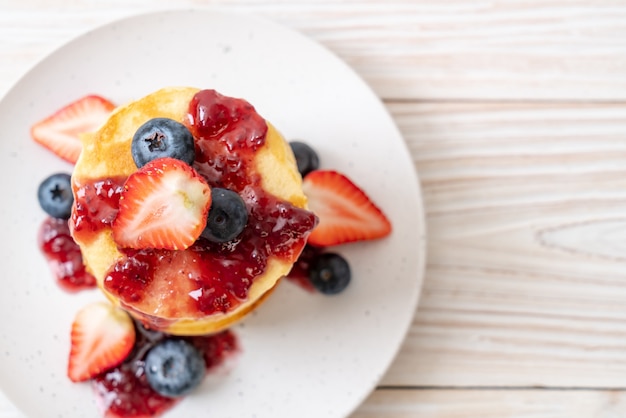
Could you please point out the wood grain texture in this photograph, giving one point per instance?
(526, 275)
(405, 49)
(515, 115)
(493, 404)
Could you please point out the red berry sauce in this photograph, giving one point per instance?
(95, 206)
(64, 256)
(124, 390)
(227, 133)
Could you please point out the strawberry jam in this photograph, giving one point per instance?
(124, 390)
(95, 206)
(64, 256)
(227, 132)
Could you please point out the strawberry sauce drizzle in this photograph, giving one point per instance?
(96, 205)
(227, 133)
(124, 390)
(64, 256)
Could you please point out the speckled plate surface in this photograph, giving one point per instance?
(303, 355)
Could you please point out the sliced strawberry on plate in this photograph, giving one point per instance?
(345, 212)
(102, 337)
(60, 132)
(164, 205)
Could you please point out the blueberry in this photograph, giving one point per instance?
(55, 195)
(306, 158)
(228, 216)
(174, 367)
(162, 137)
(329, 273)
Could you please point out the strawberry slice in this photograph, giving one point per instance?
(345, 212)
(102, 337)
(163, 205)
(60, 131)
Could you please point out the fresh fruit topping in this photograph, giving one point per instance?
(102, 337)
(174, 367)
(345, 212)
(64, 256)
(55, 195)
(306, 158)
(329, 273)
(228, 216)
(160, 138)
(164, 205)
(61, 131)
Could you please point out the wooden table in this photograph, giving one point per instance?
(515, 116)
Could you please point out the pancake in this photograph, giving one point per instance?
(207, 287)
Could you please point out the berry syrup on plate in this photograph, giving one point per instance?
(124, 390)
(64, 256)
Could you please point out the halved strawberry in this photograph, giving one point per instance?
(164, 205)
(102, 337)
(345, 212)
(60, 131)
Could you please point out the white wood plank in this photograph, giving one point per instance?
(442, 403)
(493, 404)
(526, 202)
(416, 49)
(526, 272)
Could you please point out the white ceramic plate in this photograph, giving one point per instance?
(303, 355)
